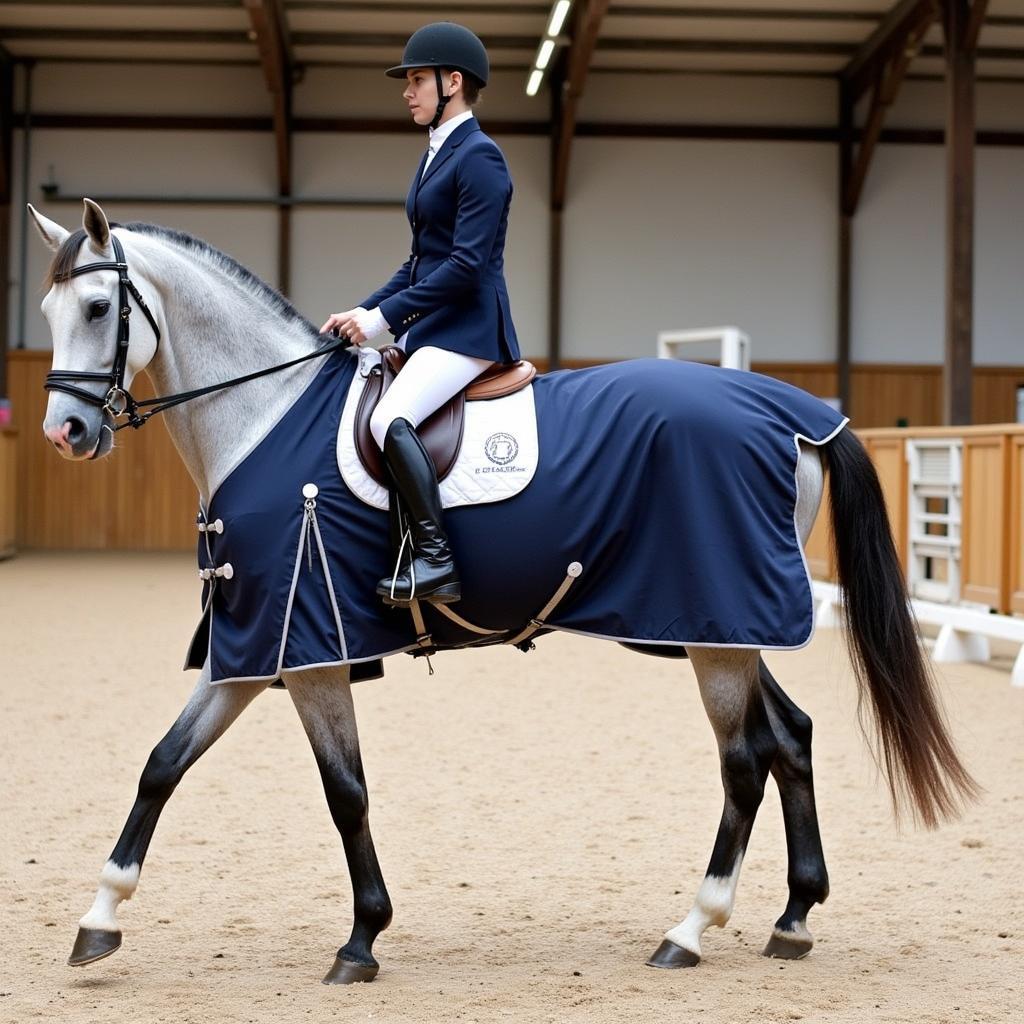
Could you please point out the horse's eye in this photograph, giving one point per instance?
(98, 310)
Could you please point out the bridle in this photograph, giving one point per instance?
(118, 401)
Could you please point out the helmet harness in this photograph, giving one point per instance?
(442, 100)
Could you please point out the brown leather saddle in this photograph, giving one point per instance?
(441, 432)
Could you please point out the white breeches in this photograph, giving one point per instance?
(429, 378)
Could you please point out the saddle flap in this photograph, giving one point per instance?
(501, 380)
(441, 432)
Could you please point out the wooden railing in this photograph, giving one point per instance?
(991, 559)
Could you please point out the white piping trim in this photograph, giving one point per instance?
(303, 531)
(330, 587)
(319, 664)
(797, 438)
(677, 643)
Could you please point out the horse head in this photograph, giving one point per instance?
(88, 306)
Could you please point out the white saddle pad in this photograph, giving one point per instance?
(497, 460)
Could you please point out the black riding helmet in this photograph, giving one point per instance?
(443, 44)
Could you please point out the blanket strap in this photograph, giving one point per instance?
(465, 624)
(423, 638)
(522, 640)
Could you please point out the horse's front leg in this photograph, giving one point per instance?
(208, 713)
(323, 699)
(747, 747)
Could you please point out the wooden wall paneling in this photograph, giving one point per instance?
(883, 396)
(156, 501)
(138, 498)
(985, 542)
(819, 379)
(8, 492)
(994, 398)
(1016, 504)
(889, 456)
(141, 497)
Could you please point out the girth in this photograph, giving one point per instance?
(441, 432)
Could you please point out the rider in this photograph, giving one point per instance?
(448, 301)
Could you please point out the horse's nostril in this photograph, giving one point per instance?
(76, 431)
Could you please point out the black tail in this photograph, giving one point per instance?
(920, 761)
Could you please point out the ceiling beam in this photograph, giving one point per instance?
(122, 3)
(270, 33)
(960, 213)
(858, 70)
(696, 11)
(475, 7)
(887, 87)
(584, 129)
(863, 67)
(690, 12)
(586, 27)
(977, 18)
(516, 68)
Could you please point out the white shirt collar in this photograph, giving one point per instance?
(441, 132)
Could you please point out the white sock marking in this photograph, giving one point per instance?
(116, 884)
(713, 906)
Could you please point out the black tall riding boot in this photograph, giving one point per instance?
(430, 573)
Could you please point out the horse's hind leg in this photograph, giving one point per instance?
(747, 747)
(808, 878)
(323, 699)
(208, 713)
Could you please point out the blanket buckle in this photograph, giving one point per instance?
(522, 640)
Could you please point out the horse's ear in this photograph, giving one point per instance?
(94, 220)
(49, 230)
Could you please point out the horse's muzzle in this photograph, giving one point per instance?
(82, 437)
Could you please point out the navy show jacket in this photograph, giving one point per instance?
(451, 292)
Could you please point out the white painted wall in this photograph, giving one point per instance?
(658, 233)
(345, 254)
(173, 163)
(899, 258)
(665, 234)
(709, 99)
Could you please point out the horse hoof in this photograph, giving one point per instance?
(345, 972)
(670, 957)
(783, 946)
(93, 944)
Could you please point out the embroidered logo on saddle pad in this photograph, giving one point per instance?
(497, 459)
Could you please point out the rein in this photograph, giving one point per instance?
(118, 401)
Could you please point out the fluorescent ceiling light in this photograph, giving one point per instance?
(546, 49)
(534, 84)
(558, 17)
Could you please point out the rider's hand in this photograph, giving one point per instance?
(358, 325)
(343, 325)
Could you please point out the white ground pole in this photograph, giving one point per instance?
(964, 633)
(735, 344)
